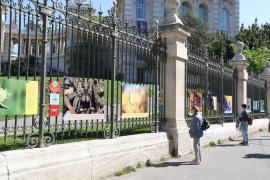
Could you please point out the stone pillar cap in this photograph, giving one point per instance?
(239, 54)
(172, 17)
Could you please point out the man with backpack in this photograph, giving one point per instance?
(196, 132)
(244, 121)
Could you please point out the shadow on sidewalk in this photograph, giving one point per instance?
(173, 164)
(227, 145)
(257, 156)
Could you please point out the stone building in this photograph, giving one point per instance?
(219, 14)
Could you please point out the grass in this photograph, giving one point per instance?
(126, 170)
(212, 144)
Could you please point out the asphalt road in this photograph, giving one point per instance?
(229, 161)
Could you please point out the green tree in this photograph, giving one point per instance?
(216, 42)
(257, 58)
(254, 36)
(257, 44)
(222, 42)
(199, 30)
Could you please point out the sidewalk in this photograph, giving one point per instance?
(227, 161)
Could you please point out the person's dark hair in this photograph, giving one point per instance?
(244, 106)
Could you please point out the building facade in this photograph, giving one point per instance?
(218, 14)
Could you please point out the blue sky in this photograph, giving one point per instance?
(249, 10)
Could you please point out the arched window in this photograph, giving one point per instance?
(185, 8)
(165, 9)
(141, 9)
(203, 12)
(224, 19)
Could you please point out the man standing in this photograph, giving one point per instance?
(196, 133)
(244, 125)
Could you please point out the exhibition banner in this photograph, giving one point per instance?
(83, 99)
(18, 97)
(195, 98)
(249, 105)
(228, 105)
(135, 101)
(262, 106)
(212, 103)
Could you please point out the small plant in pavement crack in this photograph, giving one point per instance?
(125, 170)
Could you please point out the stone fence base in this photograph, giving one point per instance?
(95, 159)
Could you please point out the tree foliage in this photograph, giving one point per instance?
(216, 42)
(257, 58)
(199, 30)
(255, 37)
(257, 44)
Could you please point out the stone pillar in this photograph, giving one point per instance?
(176, 35)
(266, 75)
(240, 62)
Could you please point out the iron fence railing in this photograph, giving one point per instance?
(211, 83)
(111, 76)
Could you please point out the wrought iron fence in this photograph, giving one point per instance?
(257, 96)
(112, 76)
(210, 84)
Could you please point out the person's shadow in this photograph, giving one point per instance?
(257, 156)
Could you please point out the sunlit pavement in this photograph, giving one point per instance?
(228, 161)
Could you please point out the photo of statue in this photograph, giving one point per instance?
(83, 96)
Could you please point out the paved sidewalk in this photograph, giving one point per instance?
(224, 162)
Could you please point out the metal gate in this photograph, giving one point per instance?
(111, 75)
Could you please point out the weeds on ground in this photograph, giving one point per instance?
(126, 170)
(220, 142)
(164, 158)
(212, 144)
(139, 165)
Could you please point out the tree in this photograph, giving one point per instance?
(216, 42)
(254, 36)
(257, 58)
(257, 44)
(199, 30)
(222, 42)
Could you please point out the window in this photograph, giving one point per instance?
(224, 19)
(165, 9)
(203, 12)
(141, 9)
(185, 8)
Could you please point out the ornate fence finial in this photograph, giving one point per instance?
(156, 31)
(173, 7)
(239, 53)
